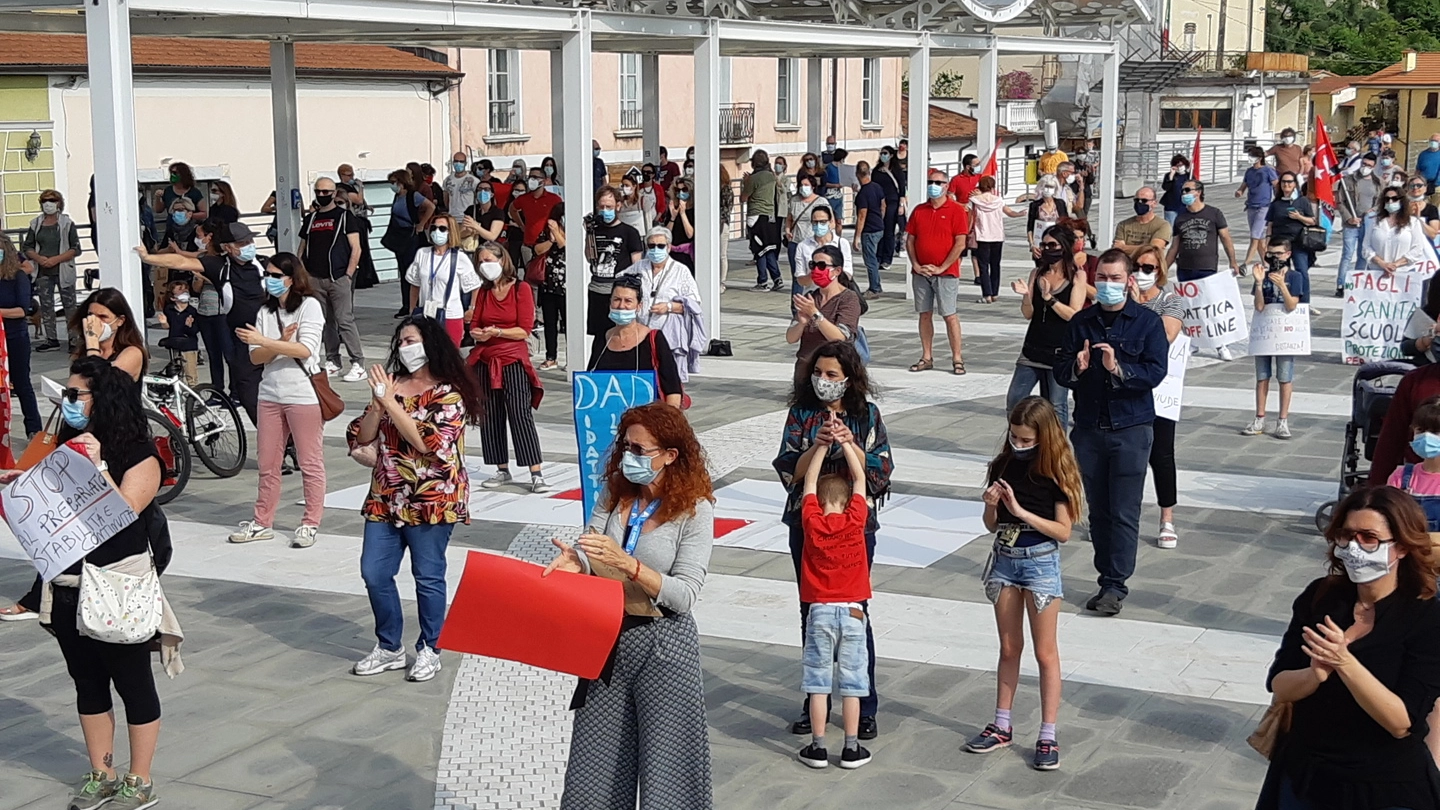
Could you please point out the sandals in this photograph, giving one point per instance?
(548, 364)
(924, 364)
(958, 368)
(15, 613)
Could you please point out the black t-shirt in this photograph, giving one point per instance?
(1035, 492)
(1282, 225)
(220, 212)
(641, 359)
(1198, 235)
(487, 219)
(184, 324)
(888, 184)
(135, 538)
(182, 236)
(245, 285)
(870, 199)
(327, 243)
(614, 245)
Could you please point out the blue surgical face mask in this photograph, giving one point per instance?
(1109, 293)
(179, 217)
(637, 469)
(459, 167)
(74, 414)
(821, 228)
(247, 253)
(1426, 445)
(656, 255)
(607, 215)
(934, 190)
(621, 317)
(486, 197)
(275, 286)
(1187, 199)
(684, 195)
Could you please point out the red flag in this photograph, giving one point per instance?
(991, 169)
(1326, 165)
(1195, 156)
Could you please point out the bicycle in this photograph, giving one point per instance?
(203, 417)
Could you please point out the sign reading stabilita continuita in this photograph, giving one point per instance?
(62, 509)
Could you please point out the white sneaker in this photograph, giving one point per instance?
(1255, 428)
(1224, 352)
(1168, 538)
(537, 484)
(331, 368)
(250, 531)
(1282, 430)
(499, 479)
(427, 666)
(355, 374)
(379, 660)
(304, 536)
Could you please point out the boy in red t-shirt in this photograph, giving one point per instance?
(834, 581)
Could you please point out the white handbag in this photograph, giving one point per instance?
(119, 608)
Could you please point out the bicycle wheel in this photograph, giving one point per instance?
(174, 456)
(215, 430)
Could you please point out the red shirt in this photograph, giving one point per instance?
(536, 211)
(502, 194)
(833, 566)
(935, 229)
(1393, 447)
(962, 186)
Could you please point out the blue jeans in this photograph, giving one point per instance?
(1024, 380)
(1112, 468)
(870, 249)
(380, 553)
(1349, 254)
(1300, 260)
(869, 703)
(833, 636)
(837, 205)
(1170, 217)
(217, 346)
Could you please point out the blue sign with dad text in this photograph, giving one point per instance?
(601, 398)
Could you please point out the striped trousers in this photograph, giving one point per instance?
(646, 729)
(510, 403)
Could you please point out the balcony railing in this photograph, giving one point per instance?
(1242, 61)
(503, 118)
(631, 116)
(1018, 116)
(737, 124)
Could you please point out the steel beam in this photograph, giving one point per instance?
(112, 136)
(919, 129)
(289, 191)
(708, 242)
(1106, 188)
(575, 85)
(814, 105)
(650, 108)
(986, 108)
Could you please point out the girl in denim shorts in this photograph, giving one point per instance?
(1032, 498)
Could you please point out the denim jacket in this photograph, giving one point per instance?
(1115, 401)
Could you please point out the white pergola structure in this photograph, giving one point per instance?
(705, 29)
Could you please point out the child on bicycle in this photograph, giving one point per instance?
(184, 324)
(1033, 497)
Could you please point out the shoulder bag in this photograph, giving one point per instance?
(119, 608)
(1270, 733)
(331, 405)
(685, 401)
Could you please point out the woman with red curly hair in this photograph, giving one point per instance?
(643, 720)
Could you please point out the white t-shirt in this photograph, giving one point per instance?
(806, 250)
(283, 380)
(460, 192)
(433, 272)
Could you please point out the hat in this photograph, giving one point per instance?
(240, 232)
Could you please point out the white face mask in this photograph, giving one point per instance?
(1366, 171)
(1047, 193)
(1364, 566)
(490, 270)
(50, 208)
(412, 356)
(1145, 281)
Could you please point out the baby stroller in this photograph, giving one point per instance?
(1370, 395)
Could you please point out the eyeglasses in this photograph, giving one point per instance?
(1145, 199)
(1417, 185)
(1368, 541)
(820, 265)
(1147, 268)
(638, 449)
(1189, 189)
(74, 394)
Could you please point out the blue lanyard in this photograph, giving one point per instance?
(637, 520)
(433, 273)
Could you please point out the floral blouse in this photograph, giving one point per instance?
(410, 487)
(802, 425)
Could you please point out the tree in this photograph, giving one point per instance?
(947, 84)
(1352, 37)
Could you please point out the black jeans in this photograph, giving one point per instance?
(245, 380)
(552, 307)
(1162, 462)
(887, 240)
(216, 334)
(987, 255)
(403, 259)
(870, 703)
(1112, 468)
(95, 665)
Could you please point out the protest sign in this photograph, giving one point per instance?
(1171, 389)
(601, 397)
(1214, 315)
(1277, 333)
(1377, 307)
(61, 509)
(504, 608)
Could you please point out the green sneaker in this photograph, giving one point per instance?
(133, 794)
(92, 791)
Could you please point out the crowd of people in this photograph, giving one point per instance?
(482, 267)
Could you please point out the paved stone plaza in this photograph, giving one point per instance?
(1157, 701)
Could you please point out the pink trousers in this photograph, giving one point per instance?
(278, 423)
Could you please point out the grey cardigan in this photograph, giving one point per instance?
(679, 550)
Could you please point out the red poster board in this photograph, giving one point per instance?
(505, 609)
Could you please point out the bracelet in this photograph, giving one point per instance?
(635, 575)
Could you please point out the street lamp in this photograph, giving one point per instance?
(32, 146)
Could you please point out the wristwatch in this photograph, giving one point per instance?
(103, 465)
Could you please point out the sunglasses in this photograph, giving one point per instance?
(276, 275)
(818, 265)
(440, 229)
(1368, 541)
(654, 245)
(1188, 190)
(1275, 255)
(638, 449)
(74, 394)
(1147, 268)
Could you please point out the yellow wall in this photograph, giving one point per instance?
(1414, 126)
(25, 103)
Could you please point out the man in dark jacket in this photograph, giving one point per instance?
(1114, 356)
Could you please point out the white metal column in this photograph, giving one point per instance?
(986, 108)
(575, 86)
(112, 128)
(288, 191)
(650, 108)
(814, 105)
(707, 174)
(557, 111)
(1109, 122)
(919, 129)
